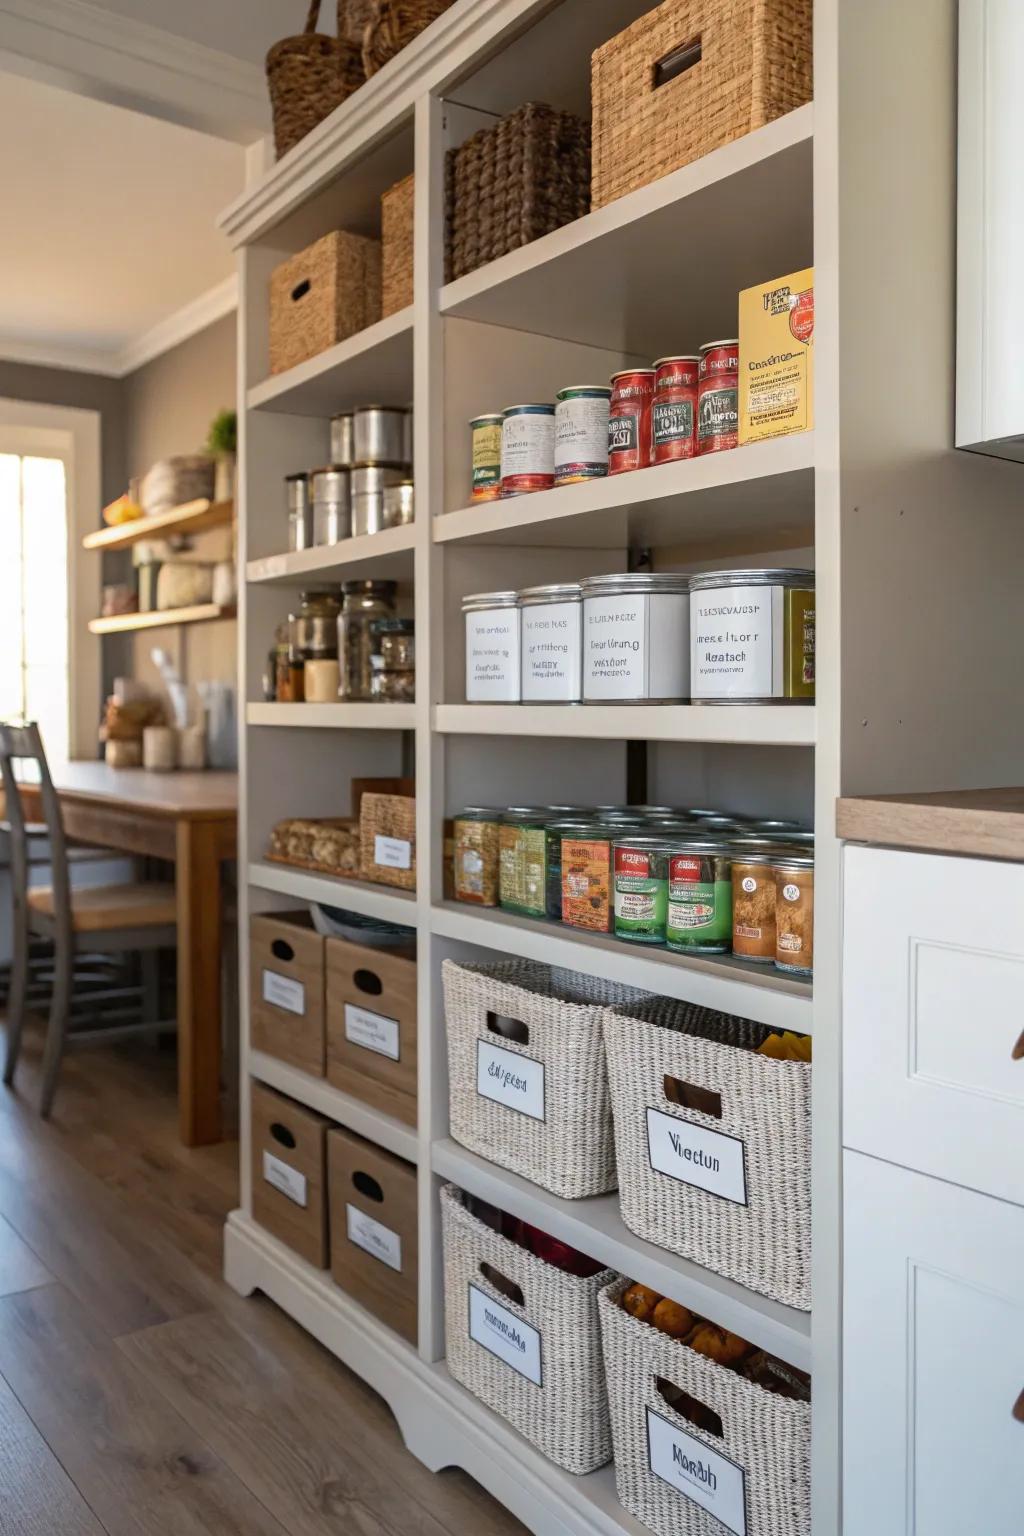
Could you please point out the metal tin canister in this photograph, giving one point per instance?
(581, 433)
(674, 412)
(492, 647)
(718, 412)
(629, 420)
(635, 645)
(641, 889)
(399, 504)
(369, 482)
(552, 643)
(752, 637)
(379, 435)
(753, 904)
(699, 919)
(794, 913)
(485, 436)
(342, 443)
(332, 504)
(527, 449)
(300, 511)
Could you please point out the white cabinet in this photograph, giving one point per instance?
(934, 1357)
(933, 1010)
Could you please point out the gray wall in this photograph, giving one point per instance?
(86, 391)
(169, 403)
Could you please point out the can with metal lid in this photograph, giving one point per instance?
(718, 413)
(492, 647)
(369, 482)
(378, 435)
(674, 412)
(342, 443)
(581, 433)
(635, 645)
(641, 889)
(753, 904)
(552, 643)
(300, 511)
(699, 918)
(794, 913)
(485, 456)
(527, 449)
(399, 504)
(586, 874)
(629, 420)
(557, 833)
(332, 504)
(523, 845)
(752, 637)
(476, 831)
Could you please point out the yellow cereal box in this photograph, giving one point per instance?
(776, 393)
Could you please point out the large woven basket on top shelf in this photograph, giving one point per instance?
(309, 76)
(691, 76)
(392, 25)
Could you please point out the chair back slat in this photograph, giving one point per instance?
(21, 742)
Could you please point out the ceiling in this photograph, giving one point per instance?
(244, 28)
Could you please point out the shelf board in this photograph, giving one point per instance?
(391, 906)
(388, 554)
(713, 981)
(317, 1093)
(659, 269)
(353, 717)
(776, 725)
(595, 1227)
(122, 623)
(760, 496)
(190, 517)
(374, 364)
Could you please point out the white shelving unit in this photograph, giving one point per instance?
(917, 549)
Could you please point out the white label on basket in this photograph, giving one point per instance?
(510, 1079)
(283, 992)
(372, 1030)
(289, 1181)
(376, 1240)
(707, 1159)
(392, 853)
(505, 1335)
(695, 1470)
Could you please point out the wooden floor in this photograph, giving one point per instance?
(139, 1396)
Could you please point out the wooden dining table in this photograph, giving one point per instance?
(191, 820)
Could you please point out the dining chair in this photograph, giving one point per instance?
(114, 919)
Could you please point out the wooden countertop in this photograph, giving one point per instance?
(195, 795)
(988, 823)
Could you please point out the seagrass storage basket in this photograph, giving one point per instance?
(396, 218)
(392, 26)
(528, 1088)
(720, 1172)
(554, 1394)
(691, 76)
(678, 1478)
(323, 295)
(308, 76)
(387, 840)
(513, 182)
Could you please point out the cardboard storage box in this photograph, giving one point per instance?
(374, 1229)
(286, 971)
(371, 1025)
(289, 1167)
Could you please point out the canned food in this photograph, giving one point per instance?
(332, 504)
(641, 889)
(342, 440)
(581, 433)
(300, 511)
(522, 862)
(699, 920)
(486, 456)
(476, 856)
(674, 412)
(752, 637)
(718, 396)
(634, 638)
(586, 868)
(552, 644)
(794, 913)
(379, 435)
(629, 420)
(527, 449)
(369, 484)
(557, 833)
(753, 905)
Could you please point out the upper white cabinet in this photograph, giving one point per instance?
(990, 229)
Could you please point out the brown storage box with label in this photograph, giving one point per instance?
(374, 1229)
(371, 1025)
(323, 295)
(286, 970)
(289, 1173)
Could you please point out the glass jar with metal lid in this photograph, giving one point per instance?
(394, 661)
(635, 638)
(557, 832)
(794, 913)
(314, 629)
(522, 843)
(332, 504)
(364, 603)
(551, 643)
(753, 903)
(752, 637)
(300, 511)
(492, 647)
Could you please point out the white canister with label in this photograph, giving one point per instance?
(552, 643)
(492, 647)
(636, 638)
(752, 637)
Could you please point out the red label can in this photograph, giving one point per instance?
(718, 396)
(629, 421)
(674, 414)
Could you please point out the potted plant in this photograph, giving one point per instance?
(222, 445)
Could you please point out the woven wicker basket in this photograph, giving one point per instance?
(566, 1415)
(387, 840)
(512, 183)
(397, 222)
(323, 295)
(354, 16)
(308, 77)
(392, 25)
(570, 1151)
(766, 1438)
(764, 1244)
(728, 66)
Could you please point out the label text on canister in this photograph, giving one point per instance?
(492, 656)
(500, 1331)
(373, 1031)
(707, 1159)
(735, 650)
(552, 652)
(284, 992)
(711, 1480)
(373, 1237)
(510, 1079)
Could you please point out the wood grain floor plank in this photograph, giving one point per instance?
(37, 1498)
(20, 1268)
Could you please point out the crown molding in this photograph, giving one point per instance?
(54, 355)
(83, 47)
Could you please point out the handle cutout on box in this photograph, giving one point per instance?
(301, 289)
(689, 1096)
(368, 982)
(508, 1029)
(367, 1185)
(282, 950)
(282, 1134)
(1017, 1054)
(1018, 1408)
(677, 62)
(689, 1408)
(502, 1283)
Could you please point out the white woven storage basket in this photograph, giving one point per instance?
(757, 1475)
(564, 1413)
(756, 1227)
(569, 1151)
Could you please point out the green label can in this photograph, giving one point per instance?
(699, 919)
(641, 890)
